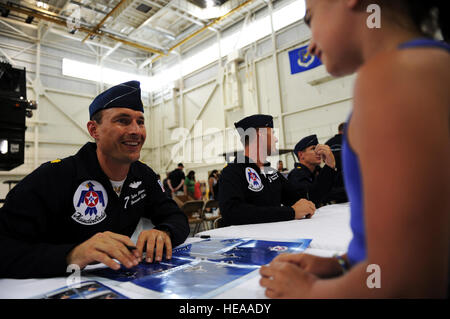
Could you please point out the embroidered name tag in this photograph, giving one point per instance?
(134, 198)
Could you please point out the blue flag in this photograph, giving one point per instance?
(301, 61)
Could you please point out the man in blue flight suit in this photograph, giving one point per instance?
(250, 191)
(338, 193)
(82, 209)
(307, 176)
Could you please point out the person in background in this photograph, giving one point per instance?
(282, 170)
(335, 143)
(250, 191)
(338, 193)
(189, 185)
(198, 193)
(176, 180)
(213, 184)
(399, 127)
(307, 176)
(166, 185)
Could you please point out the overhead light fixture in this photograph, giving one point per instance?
(205, 4)
(143, 8)
(209, 3)
(41, 4)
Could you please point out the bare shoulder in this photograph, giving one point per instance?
(400, 89)
(421, 72)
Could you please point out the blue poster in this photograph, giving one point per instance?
(239, 251)
(260, 252)
(143, 269)
(301, 61)
(194, 281)
(200, 268)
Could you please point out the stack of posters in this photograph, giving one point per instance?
(197, 270)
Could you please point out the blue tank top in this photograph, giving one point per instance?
(352, 176)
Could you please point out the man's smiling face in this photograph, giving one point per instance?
(120, 134)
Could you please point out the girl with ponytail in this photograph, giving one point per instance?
(396, 153)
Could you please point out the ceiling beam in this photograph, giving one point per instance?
(98, 26)
(17, 30)
(62, 21)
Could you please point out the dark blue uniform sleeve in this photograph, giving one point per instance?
(290, 195)
(314, 191)
(165, 213)
(24, 223)
(236, 211)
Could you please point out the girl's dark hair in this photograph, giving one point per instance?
(430, 15)
(191, 174)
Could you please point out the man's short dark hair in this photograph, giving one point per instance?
(180, 165)
(341, 127)
(97, 117)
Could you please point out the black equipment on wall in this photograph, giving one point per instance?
(14, 106)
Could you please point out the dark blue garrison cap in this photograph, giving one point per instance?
(306, 142)
(255, 121)
(126, 95)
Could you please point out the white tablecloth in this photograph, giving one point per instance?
(329, 229)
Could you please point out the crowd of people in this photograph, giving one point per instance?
(83, 209)
(189, 187)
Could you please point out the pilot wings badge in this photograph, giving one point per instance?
(135, 184)
(254, 181)
(90, 201)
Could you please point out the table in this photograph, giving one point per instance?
(329, 230)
